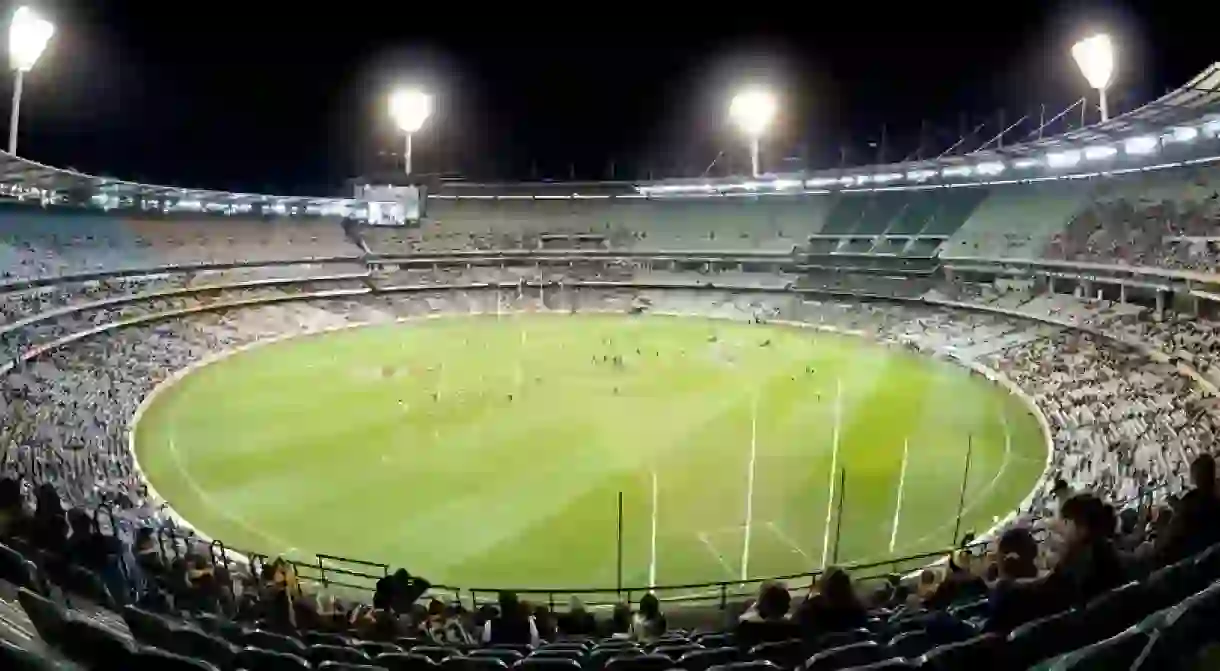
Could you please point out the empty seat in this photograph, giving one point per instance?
(699, 660)
(1044, 638)
(47, 616)
(406, 661)
(193, 643)
(507, 655)
(574, 654)
(1117, 652)
(152, 659)
(94, 645)
(316, 654)
(18, 570)
(536, 663)
(269, 660)
(911, 644)
(640, 663)
(462, 663)
(785, 654)
(434, 652)
(16, 658)
(856, 654)
(975, 653)
(267, 640)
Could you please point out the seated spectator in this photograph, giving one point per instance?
(1087, 566)
(771, 605)
(1196, 520)
(512, 625)
(577, 621)
(13, 516)
(648, 624)
(1009, 604)
(545, 622)
(960, 584)
(835, 607)
(49, 529)
(619, 625)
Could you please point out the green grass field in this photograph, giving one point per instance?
(401, 444)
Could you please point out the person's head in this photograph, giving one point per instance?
(620, 618)
(436, 608)
(1061, 490)
(927, 582)
(836, 587)
(575, 605)
(1203, 473)
(510, 605)
(1088, 518)
(48, 501)
(10, 496)
(773, 600)
(80, 523)
(650, 607)
(1018, 541)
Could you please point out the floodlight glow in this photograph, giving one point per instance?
(1095, 57)
(1025, 163)
(1212, 128)
(753, 111)
(28, 35)
(410, 109)
(990, 168)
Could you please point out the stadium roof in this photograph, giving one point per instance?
(1166, 128)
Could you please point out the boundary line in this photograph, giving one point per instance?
(787, 540)
(707, 543)
(155, 498)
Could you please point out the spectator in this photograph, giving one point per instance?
(577, 621)
(13, 517)
(619, 625)
(545, 622)
(771, 605)
(648, 624)
(1089, 564)
(512, 625)
(835, 607)
(1196, 520)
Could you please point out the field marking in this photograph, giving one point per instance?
(707, 543)
(206, 498)
(902, 481)
(745, 543)
(834, 466)
(983, 494)
(816, 328)
(652, 556)
(787, 540)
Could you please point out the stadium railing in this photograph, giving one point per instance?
(357, 579)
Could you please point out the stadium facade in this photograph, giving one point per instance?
(1121, 215)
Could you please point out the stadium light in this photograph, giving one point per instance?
(28, 35)
(1095, 58)
(410, 108)
(753, 111)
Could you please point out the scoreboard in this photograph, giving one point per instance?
(393, 205)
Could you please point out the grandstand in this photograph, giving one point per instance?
(1081, 268)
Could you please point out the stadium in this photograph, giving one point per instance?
(698, 390)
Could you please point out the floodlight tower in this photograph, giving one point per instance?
(410, 108)
(28, 35)
(753, 111)
(1095, 58)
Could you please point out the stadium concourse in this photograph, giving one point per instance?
(1090, 289)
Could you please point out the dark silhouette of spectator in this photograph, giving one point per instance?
(648, 624)
(577, 621)
(772, 604)
(835, 607)
(1195, 524)
(512, 625)
(545, 623)
(49, 529)
(619, 625)
(14, 520)
(1009, 603)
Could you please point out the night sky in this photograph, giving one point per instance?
(291, 97)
